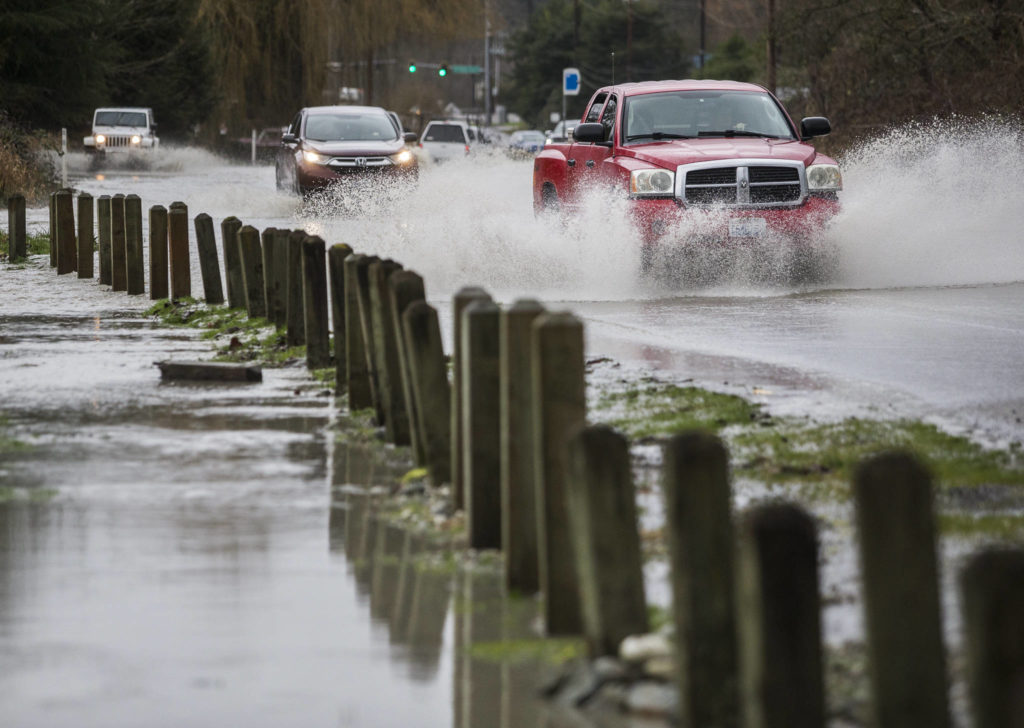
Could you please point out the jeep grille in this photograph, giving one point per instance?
(118, 141)
(751, 183)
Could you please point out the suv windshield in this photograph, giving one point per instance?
(445, 133)
(350, 128)
(120, 118)
(691, 114)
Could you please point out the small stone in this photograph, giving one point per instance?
(609, 669)
(642, 647)
(653, 699)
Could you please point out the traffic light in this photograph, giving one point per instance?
(443, 70)
(412, 66)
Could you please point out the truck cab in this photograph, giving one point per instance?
(122, 130)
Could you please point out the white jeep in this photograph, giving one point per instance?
(122, 130)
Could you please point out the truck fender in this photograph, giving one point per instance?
(549, 171)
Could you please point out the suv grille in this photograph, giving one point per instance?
(754, 184)
(118, 141)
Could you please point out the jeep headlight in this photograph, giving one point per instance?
(314, 157)
(136, 139)
(824, 178)
(100, 139)
(402, 158)
(651, 182)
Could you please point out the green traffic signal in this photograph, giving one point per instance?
(412, 67)
(442, 71)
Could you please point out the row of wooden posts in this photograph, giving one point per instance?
(508, 432)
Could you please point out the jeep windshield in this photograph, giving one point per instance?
(120, 118)
(692, 114)
(350, 128)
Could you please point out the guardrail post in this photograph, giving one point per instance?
(66, 255)
(181, 268)
(366, 327)
(314, 303)
(295, 335)
(118, 245)
(896, 528)
(385, 349)
(518, 471)
(606, 540)
(158, 252)
(275, 274)
(252, 270)
(429, 375)
(405, 287)
(336, 256)
(992, 586)
(17, 239)
(103, 212)
(229, 228)
(779, 619)
(135, 282)
(86, 239)
(209, 266)
(481, 423)
(560, 408)
(463, 297)
(356, 368)
(53, 230)
(700, 544)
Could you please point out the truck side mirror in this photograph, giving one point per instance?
(591, 133)
(409, 137)
(813, 126)
(287, 138)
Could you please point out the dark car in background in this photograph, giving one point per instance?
(332, 145)
(526, 143)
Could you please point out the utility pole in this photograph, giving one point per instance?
(629, 40)
(770, 55)
(703, 32)
(487, 65)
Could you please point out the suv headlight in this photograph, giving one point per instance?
(824, 178)
(314, 157)
(100, 139)
(136, 139)
(652, 182)
(402, 158)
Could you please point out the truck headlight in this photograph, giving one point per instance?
(100, 139)
(651, 182)
(824, 178)
(314, 157)
(402, 158)
(136, 139)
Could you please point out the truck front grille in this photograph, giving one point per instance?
(759, 183)
(119, 141)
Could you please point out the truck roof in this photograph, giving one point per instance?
(124, 108)
(689, 84)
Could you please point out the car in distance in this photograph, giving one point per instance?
(526, 143)
(122, 130)
(720, 153)
(562, 131)
(445, 140)
(330, 145)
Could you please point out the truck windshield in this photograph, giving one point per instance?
(691, 114)
(120, 118)
(350, 128)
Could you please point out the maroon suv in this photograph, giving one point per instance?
(326, 145)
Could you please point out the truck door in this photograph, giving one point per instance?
(584, 159)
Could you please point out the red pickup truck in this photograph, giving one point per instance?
(717, 160)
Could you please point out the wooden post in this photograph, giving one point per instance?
(385, 350)
(429, 375)
(252, 270)
(992, 586)
(118, 245)
(896, 529)
(66, 249)
(606, 539)
(518, 472)
(229, 228)
(462, 298)
(158, 253)
(296, 332)
(405, 287)
(275, 274)
(356, 371)
(209, 266)
(559, 409)
(53, 230)
(700, 545)
(366, 327)
(16, 236)
(314, 303)
(103, 212)
(135, 280)
(86, 238)
(481, 424)
(181, 270)
(336, 274)
(779, 619)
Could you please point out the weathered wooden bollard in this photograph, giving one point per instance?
(275, 274)
(296, 327)
(135, 281)
(779, 619)
(896, 531)
(518, 470)
(229, 228)
(606, 539)
(157, 252)
(336, 256)
(700, 544)
(462, 298)
(66, 249)
(385, 351)
(17, 245)
(118, 245)
(53, 230)
(181, 267)
(209, 266)
(992, 587)
(363, 264)
(104, 223)
(404, 288)
(314, 303)
(481, 423)
(86, 239)
(252, 270)
(429, 374)
(559, 409)
(357, 374)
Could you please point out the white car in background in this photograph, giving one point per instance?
(444, 140)
(122, 129)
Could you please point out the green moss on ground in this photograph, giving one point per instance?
(35, 243)
(665, 409)
(1002, 527)
(26, 495)
(551, 651)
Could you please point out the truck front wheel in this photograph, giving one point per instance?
(549, 202)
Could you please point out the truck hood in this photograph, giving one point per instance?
(357, 149)
(671, 154)
(120, 130)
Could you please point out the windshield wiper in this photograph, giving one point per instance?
(736, 133)
(656, 136)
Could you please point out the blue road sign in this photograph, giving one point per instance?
(570, 81)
